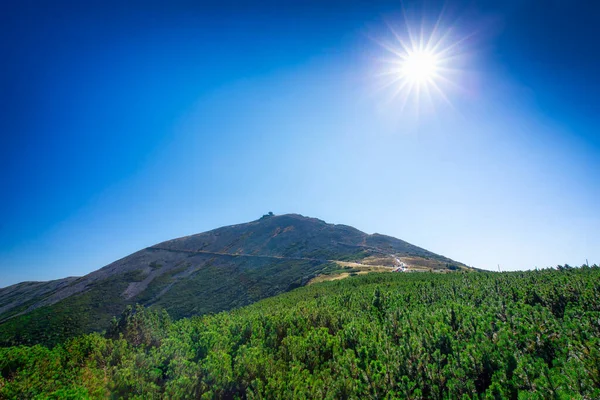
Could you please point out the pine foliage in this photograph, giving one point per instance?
(521, 335)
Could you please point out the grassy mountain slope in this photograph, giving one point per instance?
(525, 335)
(17, 298)
(208, 272)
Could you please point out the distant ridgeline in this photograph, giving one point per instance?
(205, 273)
(518, 335)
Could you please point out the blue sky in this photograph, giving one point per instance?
(125, 125)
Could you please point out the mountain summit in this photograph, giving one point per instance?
(208, 272)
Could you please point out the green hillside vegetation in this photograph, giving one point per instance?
(209, 272)
(216, 289)
(521, 335)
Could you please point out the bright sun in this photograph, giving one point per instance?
(422, 64)
(419, 67)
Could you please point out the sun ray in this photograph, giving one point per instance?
(441, 93)
(398, 37)
(407, 25)
(424, 63)
(436, 27)
(406, 97)
(399, 90)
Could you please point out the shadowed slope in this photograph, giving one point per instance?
(208, 272)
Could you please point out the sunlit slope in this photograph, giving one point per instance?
(525, 335)
(209, 272)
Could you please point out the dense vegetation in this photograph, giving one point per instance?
(210, 272)
(522, 335)
(215, 289)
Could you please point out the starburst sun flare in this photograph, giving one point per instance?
(420, 66)
(423, 67)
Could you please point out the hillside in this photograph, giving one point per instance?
(208, 272)
(525, 335)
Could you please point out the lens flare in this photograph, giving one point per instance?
(425, 64)
(419, 67)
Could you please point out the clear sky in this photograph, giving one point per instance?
(125, 125)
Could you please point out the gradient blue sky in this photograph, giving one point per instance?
(126, 125)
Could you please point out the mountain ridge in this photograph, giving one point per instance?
(212, 271)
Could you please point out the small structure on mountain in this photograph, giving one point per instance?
(401, 268)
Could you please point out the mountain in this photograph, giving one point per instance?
(205, 273)
(511, 335)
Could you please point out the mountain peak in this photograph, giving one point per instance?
(213, 271)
